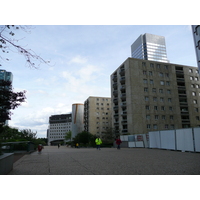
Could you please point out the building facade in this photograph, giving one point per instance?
(97, 115)
(59, 125)
(196, 36)
(149, 47)
(150, 96)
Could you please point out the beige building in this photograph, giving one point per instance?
(150, 96)
(97, 115)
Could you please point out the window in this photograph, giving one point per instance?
(160, 90)
(197, 118)
(163, 117)
(162, 108)
(193, 93)
(197, 86)
(147, 107)
(152, 65)
(145, 81)
(196, 109)
(192, 86)
(161, 74)
(161, 99)
(155, 107)
(170, 108)
(167, 75)
(156, 117)
(169, 100)
(146, 98)
(151, 81)
(148, 126)
(168, 91)
(167, 83)
(147, 117)
(144, 72)
(158, 66)
(150, 73)
(191, 78)
(155, 126)
(154, 90)
(166, 66)
(166, 126)
(154, 99)
(145, 89)
(195, 101)
(196, 78)
(162, 82)
(171, 117)
(190, 70)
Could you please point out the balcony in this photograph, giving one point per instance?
(123, 96)
(115, 85)
(115, 108)
(115, 93)
(123, 113)
(123, 104)
(123, 88)
(124, 122)
(115, 100)
(122, 71)
(114, 78)
(122, 80)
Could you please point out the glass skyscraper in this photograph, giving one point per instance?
(149, 47)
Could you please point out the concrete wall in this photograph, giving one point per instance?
(6, 163)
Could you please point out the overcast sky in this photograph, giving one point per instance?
(82, 60)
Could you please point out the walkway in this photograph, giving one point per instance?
(107, 161)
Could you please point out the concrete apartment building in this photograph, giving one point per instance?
(150, 96)
(59, 125)
(97, 115)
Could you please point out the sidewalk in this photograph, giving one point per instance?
(107, 161)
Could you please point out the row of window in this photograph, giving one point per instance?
(160, 74)
(155, 126)
(154, 90)
(157, 117)
(145, 81)
(102, 104)
(194, 78)
(196, 70)
(60, 124)
(158, 66)
(155, 99)
(162, 108)
(102, 108)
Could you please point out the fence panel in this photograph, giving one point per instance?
(167, 139)
(197, 139)
(184, 140)
(154, 139)
(131, 144)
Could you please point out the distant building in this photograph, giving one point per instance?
(59, 125)
(149, 47)
(196, 36)
(5, 76)
(97, 115)
(77, 119)
(152, 96)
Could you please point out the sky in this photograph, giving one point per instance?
(82, 58)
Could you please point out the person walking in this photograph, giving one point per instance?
(40, 147)
(118, 142)
(58, 146)
(98, 143)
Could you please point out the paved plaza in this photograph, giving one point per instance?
(107, 161)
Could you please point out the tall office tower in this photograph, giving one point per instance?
(196, 36)
(149, 47)
(151, 96)
(59, 125)
(77, 119)
(5, 76)
(97, 115)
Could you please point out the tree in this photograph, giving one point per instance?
(9, 43)
(68, 135)
(85, 138)
(9, 100)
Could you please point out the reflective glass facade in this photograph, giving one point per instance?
(149, 47)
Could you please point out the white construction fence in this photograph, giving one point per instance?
(180, 139)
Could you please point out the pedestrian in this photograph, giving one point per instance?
(98, 143)
(58, 145)
(118, 142)
(40, 147)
